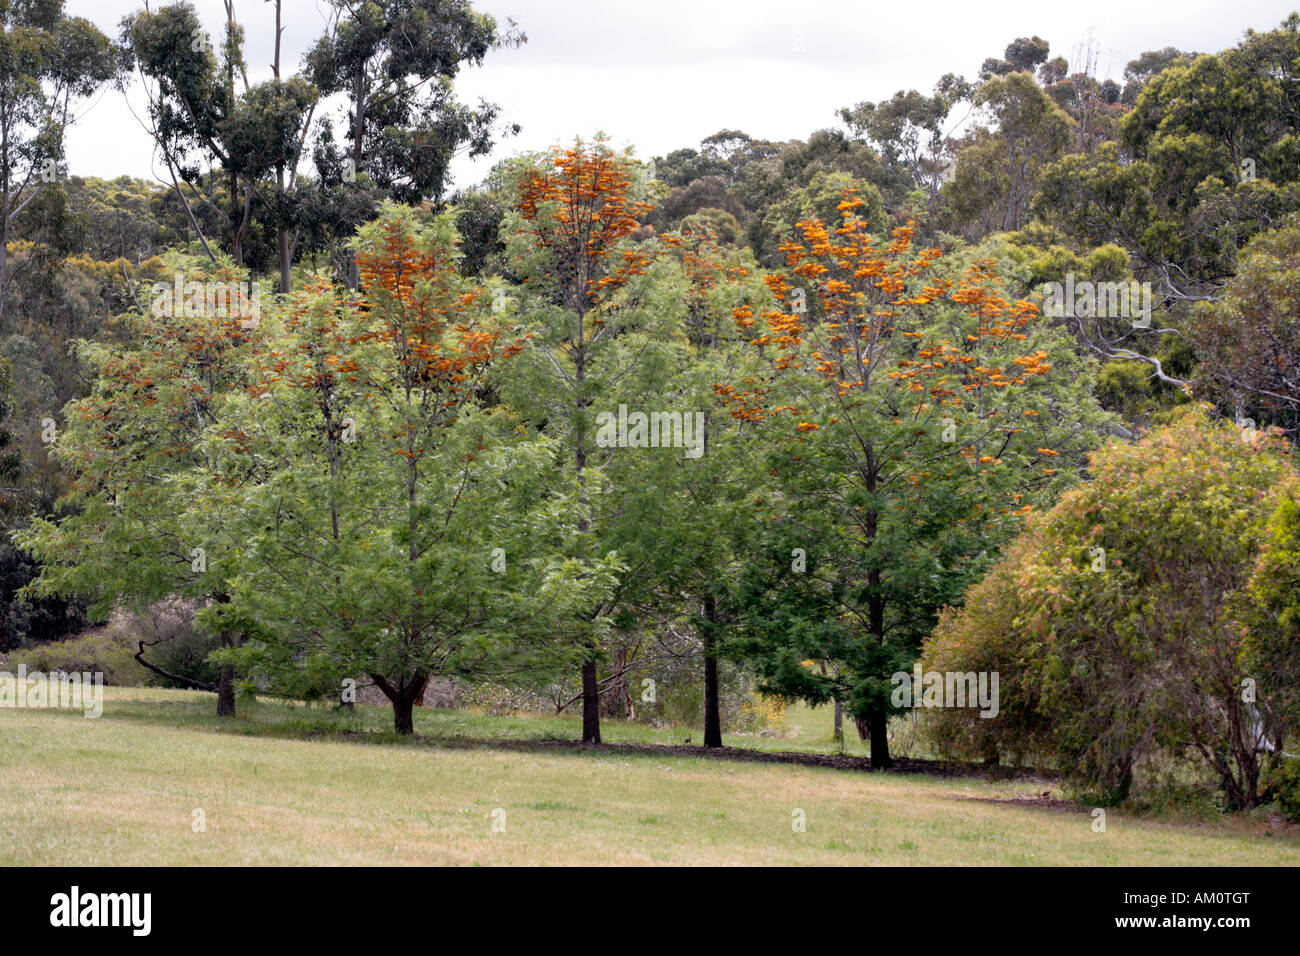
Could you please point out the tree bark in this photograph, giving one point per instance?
(282, 249)
(226, 683)
(590, 703)
(404, 715)
(878, 729)
(226, 691)
(404, 695)
(712, 712)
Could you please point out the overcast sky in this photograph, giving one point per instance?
(661, 74)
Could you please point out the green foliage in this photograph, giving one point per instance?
(1247, 340)
(109, 651)
(1122, 606)
(1272, 646)
(1282, 783)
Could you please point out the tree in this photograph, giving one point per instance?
(199, 112)
(1270, 611)
(908, 130)
(136, 526)
(915, 417)
(403, 527)
(709, 522)
(49, 62)
(601, 328)
(1127, 603)
(997, 172)
(1247, 340)
(394, 61)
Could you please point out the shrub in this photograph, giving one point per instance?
(176, 645)
(1114, 619)
(989, 634)
(1282, 783)
(107, 650)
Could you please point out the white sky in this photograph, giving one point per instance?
(661, 74)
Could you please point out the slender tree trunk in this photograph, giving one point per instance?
(878, 723)
(590, 687)
(282, 247)
(838, 733)
(226, 684)
(4, 254)
(282, 241)
(590, 703)
(281, 234)
(712, 712)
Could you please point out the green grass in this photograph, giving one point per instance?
(282, 784)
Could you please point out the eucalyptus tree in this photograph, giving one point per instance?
(204, 111)
(49, 63)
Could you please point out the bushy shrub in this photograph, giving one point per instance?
(1282, 783)
(989, 633)
(1114, 619)
(106, 650)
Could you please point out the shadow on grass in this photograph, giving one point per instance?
(261, 720)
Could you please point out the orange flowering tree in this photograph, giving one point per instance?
(917, 412)
(601, 309)
(711, 500)
(136, 527)
(404, 528)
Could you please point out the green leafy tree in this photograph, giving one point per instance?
(602, 311)
(913, 424)
(403, 528)
(137, 525)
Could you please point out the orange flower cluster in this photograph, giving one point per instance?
(843, 298)
(579, 210)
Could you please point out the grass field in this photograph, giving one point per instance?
(287, 784)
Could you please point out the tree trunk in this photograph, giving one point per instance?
(590, 703)
(404, 695)
(226, 691)
(4, 262)
(838, 733)
(282, 247)
(226, 682)
(878, 729)
(712, 713)
(404, 715)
